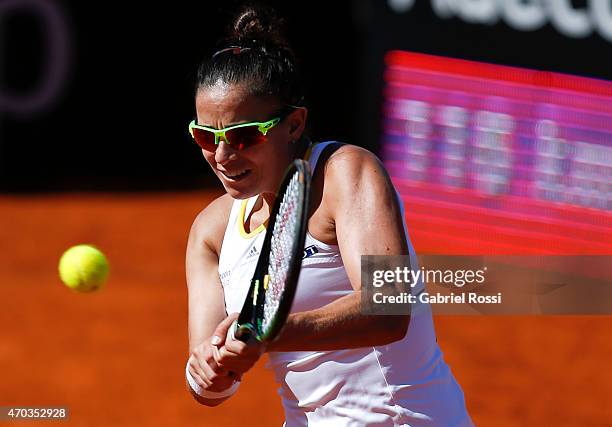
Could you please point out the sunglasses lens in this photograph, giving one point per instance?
(205, 139)
(245, 137)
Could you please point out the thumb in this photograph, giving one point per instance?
(220, 333)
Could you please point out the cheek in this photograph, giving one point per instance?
(278, 149)
(209, 157)
(273, 156)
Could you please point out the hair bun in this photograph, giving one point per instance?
(258, 23)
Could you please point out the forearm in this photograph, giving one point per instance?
(338, 325)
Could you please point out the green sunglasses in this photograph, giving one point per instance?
(240, 136)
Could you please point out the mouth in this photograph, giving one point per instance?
(237, 175)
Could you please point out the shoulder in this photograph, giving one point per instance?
(350, 166)
(214, 213)
(352, 154)
(209, 225)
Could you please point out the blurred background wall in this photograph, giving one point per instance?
(97, 95)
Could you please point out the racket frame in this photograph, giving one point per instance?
(249, 321)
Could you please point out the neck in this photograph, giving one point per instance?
(267, 201)
(301, 146)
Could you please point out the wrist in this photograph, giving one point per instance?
(207, 394)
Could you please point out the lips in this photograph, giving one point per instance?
(236, 175)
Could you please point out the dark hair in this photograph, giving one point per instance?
(257, 54)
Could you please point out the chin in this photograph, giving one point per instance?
(237, 189)
(238, 193)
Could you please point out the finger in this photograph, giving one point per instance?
(237, 364)
(215, 362)
(208, 368)
(203, 358)
(222, 329)
(229, 357)
(209, 375)
(195, 369)
(216, 352)
(252, 348)
(230, 361)
(236, 347)
(201, 376)
(196, 376)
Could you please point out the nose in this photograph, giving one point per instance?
(224, 152)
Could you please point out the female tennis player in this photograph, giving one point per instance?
(335, 365)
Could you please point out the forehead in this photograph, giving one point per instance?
(225, 104)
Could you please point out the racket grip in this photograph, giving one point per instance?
(243, 332)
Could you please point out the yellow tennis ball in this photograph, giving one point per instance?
(83, 268)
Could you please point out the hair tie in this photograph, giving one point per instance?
(236, 50)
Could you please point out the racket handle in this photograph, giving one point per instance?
(244, 332)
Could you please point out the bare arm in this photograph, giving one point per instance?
(368, 221)
(206, 302)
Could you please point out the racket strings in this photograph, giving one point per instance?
(281, 249)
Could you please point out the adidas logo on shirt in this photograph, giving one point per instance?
(253, 252)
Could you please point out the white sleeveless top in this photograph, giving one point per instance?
(406, 383)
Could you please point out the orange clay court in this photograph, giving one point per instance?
(117, 357)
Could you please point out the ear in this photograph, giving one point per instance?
(297, 122)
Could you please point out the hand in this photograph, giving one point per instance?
(231, 354)
(206, 372)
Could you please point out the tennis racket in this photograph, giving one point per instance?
(273, 285)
